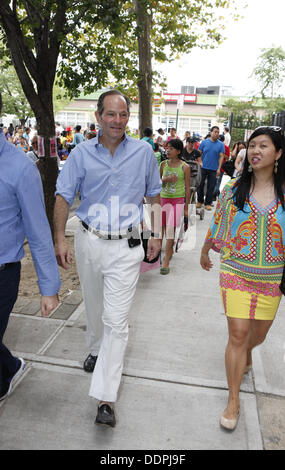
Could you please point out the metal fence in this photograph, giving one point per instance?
(242, 130)
(278, 119)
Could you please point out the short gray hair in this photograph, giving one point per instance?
(100, 103)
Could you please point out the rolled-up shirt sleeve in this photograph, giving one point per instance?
(69, 179)
(153, 181)
(37, 230)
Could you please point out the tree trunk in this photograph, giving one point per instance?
(47, 165)
(36, 74)
(145, 68)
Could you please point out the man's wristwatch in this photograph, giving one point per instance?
(155, 235)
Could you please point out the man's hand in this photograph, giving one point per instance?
(153, 248)
(63, 253)
(48, 303)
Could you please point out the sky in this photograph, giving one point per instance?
(232, 63)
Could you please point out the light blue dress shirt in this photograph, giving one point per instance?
(22, 214)
(111, 188)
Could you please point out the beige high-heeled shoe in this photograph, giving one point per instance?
(229, 424)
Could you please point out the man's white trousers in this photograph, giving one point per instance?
(108, 272)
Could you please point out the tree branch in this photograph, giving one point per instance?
(32, 12)
(21, 51)
(75, 22)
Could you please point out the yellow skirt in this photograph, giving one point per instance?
(251, 300)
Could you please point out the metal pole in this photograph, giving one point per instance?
(231, 122)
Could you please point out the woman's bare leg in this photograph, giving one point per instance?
(169, 235)
(235, 359)
(257, 334)
(168, 252)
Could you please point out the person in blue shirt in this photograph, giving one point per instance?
(148, 136)
(77, 137)
(113, 173)
(22, 214)
(212, 151)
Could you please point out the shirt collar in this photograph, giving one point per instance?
(96, 139)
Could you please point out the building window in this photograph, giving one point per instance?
(72, 119)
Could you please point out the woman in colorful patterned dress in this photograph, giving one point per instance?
(248, 230)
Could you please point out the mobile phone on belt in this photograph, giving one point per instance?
(134, 238)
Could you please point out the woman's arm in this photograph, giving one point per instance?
(205, 261)
(187, 173)
(237, 162)
(161, 168)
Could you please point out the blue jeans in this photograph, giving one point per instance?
(9, 285)
(217, 186)
(210, 177)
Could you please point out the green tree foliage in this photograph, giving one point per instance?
(176, 27)
(273, 106)
(34, 34)
(245, 116)
(250, 114)
(145, 33)
(270, 71)
(14, 99)
(244, 113)
(60, 97)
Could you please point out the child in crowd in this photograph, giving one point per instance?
(175, 175)
(157, 153)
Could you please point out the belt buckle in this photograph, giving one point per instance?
(115, 236)
(2, 267)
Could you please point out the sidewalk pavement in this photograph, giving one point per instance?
(173, 388)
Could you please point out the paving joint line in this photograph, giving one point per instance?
(48, 362)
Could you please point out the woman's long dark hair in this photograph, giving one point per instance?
(243, 184)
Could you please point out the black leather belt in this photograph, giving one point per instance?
(105, 236)
(6, 265)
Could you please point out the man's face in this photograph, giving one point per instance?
(114, 118)
(215, 134)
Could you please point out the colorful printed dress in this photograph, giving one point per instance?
(251, 243)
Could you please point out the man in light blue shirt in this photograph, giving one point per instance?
(113, 173)
(22, 214)
(212, 151)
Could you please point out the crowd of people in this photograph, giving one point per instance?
(247, 229)
(173, 156)
(26, 138)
